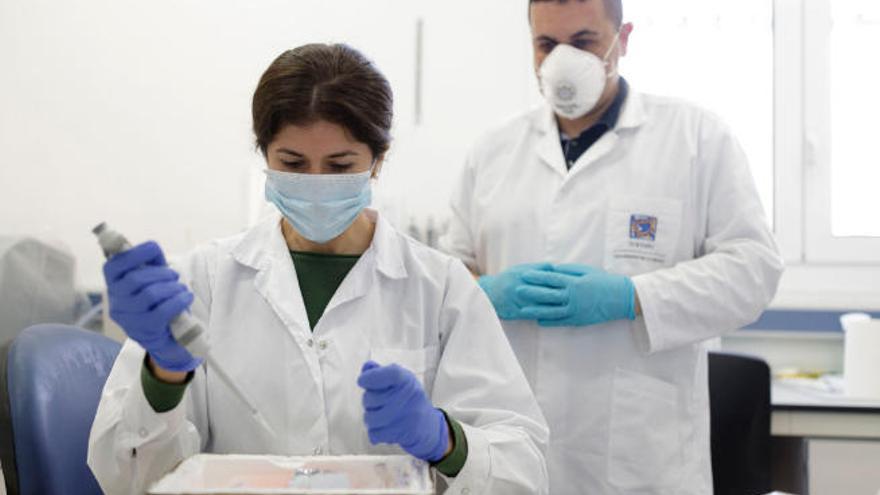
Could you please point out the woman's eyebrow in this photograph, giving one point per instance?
(290, 152)
(342, 154)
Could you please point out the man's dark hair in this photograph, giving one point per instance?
(614, 9)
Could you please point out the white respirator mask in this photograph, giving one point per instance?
(573, 80)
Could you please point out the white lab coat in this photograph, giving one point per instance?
(402, 303)
(627, 402)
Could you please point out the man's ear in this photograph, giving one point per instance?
(625, 31)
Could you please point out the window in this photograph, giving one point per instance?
(718, 54)
(842, 166)
(796, 81)
(855, 104)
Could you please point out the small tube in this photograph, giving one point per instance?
(111, 242)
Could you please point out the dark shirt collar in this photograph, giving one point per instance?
(608, 120)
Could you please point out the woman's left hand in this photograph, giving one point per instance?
(397, 411)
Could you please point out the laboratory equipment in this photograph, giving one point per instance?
(861, 361)
(186, 329)
(37, 285)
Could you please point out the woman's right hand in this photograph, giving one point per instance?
(145, 296)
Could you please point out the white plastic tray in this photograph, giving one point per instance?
(211, 474)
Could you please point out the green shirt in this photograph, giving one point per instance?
(319, 276)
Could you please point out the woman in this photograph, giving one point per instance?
(351, 338)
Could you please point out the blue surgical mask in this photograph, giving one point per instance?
(319, 206)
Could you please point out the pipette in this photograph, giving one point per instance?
(186, 329)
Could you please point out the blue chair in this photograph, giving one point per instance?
(53, 379)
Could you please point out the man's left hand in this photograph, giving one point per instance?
(576, 295)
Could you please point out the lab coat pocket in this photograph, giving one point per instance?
(645, 447)
(422, 362)
(641, 234)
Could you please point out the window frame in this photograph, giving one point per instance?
(788, 176)
(819, 244)
(821, 272)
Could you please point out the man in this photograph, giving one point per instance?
(615, 233)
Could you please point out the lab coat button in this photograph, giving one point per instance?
(143, 432)
(465, 491)
(322, 345)
(310, 343)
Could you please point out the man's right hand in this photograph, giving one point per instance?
(501, 289)
(144, 297)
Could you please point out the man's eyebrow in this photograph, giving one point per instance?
(584, 32)
(544, 37)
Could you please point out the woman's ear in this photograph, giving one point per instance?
(378, 166)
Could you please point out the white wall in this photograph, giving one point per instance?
(133, 112)
(138, 113)
(477, 73)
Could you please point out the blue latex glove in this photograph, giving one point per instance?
(145, 296)
(501, 289)
(397, 411)
(577, 295)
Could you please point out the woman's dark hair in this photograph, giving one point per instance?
(335, 83)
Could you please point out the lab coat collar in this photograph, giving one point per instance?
(384, 256)
(265, 241)
(386, 247)
(258, 242)
(633, 114)
(264, 249)
(549, 148)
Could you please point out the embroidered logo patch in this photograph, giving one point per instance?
(643, 227)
